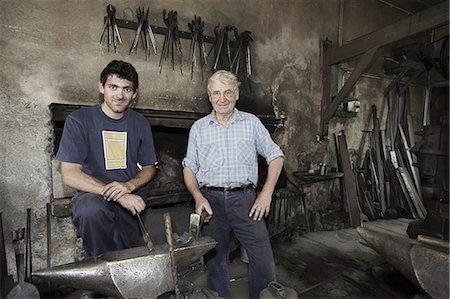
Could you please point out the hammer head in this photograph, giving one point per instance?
(194, 225)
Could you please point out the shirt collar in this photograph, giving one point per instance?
(237, 115)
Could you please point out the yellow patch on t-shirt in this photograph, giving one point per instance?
(115, 149)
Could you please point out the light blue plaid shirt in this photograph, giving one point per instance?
(227, 156)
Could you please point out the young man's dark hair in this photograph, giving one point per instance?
(123, 70)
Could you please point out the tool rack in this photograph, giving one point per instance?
(160, 30)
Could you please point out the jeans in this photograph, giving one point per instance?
(103, 225)
(230, 213)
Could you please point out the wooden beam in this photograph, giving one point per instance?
(364, 63)
(326, 83)
(423, 21)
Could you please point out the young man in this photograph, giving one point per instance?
(221, 171)
(107, 154)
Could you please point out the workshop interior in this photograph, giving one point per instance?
(355, 93)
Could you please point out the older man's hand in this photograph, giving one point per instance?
(261, 207)
(203, 204)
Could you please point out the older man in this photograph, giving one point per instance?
(221, 172)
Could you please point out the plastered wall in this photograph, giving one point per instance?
(50, 53)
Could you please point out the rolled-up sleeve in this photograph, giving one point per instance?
(265, 146)
(191, 159)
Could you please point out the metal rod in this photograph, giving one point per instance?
(168, 226)
(28, 261)
(3, 266)
(49, 236)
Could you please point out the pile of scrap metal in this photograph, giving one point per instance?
(399, 178)
(402, 179)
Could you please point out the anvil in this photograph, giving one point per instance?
(128, 273)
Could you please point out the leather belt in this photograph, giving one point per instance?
(231, 189)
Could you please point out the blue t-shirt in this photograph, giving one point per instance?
(108, 149)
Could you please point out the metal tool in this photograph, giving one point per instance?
(145, 235)
(196, 27)
(195, 223)
(145, 33)
(7, 281)
(111, 28)
(173, 265)
(172, 44)
(128, 273)
(28, 258)
(185, 238)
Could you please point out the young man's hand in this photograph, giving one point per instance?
(115, 190)
(134, 203)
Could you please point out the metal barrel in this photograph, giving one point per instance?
(128, 273)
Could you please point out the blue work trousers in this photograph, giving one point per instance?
(230, 213)
(103, 225)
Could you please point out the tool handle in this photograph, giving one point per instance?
(145, 234)
(203, 216)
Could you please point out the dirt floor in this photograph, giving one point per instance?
(327, 264)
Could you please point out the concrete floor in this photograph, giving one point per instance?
(327, 264)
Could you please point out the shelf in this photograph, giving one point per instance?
(310, 178)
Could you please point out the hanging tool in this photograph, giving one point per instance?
(196, 27)
(220, 37)
(231, 34)
(145, 33)
(111, 29)
(145, 235)
(222, 46)
(172, 44)
(242, 47)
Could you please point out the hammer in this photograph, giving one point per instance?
(195, 223)
(145, 234)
